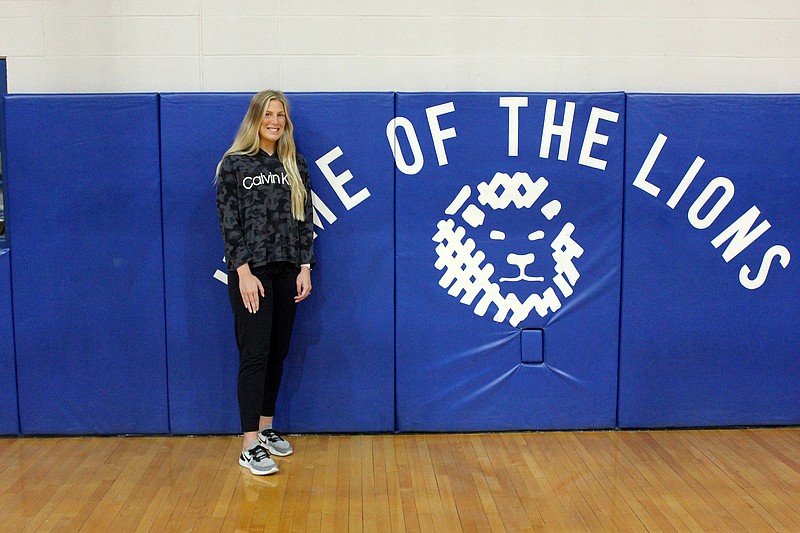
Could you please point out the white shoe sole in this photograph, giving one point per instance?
(258, 472)
(273, 451)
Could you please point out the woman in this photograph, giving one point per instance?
(264, 204)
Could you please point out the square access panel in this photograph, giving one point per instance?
(532, 346)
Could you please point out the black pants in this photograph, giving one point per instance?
(263, 339)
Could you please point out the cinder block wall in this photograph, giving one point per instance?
(729, 46)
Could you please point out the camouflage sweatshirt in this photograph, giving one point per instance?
(254, 205)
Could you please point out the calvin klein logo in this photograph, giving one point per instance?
(255, 181)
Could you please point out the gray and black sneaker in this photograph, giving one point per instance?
(276, 444)
(256, 459)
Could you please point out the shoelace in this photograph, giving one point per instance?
(272, 436)
(259, 452)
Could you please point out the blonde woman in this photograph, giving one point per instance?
(264, 205)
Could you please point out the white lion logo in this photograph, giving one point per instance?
(463, 265)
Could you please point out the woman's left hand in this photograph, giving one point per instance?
(303, 284)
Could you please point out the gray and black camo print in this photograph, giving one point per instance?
(254, 205)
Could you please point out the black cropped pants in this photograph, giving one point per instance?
(263, 339)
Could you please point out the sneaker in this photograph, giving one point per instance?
(257, 460)
(274, 443)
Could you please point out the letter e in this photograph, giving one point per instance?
(337, 182)
(592, 137)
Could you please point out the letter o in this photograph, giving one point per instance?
(411, 135)
(720, 182)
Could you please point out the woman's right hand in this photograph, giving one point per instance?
(249, 287)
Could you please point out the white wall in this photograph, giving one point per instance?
(406, 45)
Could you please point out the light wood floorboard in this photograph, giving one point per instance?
(652, 481)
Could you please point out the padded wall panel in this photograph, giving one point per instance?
(487, 225)
(9, 412)
(200, 345)
(701, 343)
(83, 188)
(340, 371)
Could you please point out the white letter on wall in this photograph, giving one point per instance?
(720, 182)
(740, 234)
(564, 130)
(513, 103)
(641, 178)
(775, 251)
(439, 135)
(411, 135)
(337, 182)
(592, 137)
(687, 180)
(321, 209)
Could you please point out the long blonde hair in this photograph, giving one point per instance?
(247, 142)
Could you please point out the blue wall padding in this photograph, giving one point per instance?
(85, 212)
(9, 413)
(340, 371)
(458, 356)
(122, 325)
(698, 347)
(201, 349)
(341, 377)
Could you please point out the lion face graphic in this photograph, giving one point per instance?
(530, 273)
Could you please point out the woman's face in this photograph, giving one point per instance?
(272, 125)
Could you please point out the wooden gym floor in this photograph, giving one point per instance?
(687, 480)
